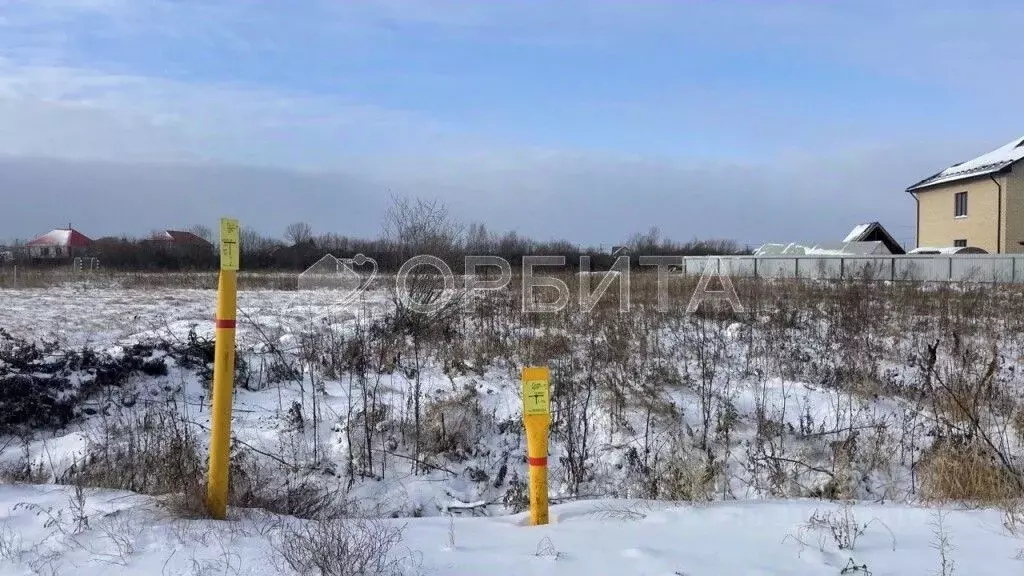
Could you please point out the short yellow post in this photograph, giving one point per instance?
(223, 371)
(537, 419)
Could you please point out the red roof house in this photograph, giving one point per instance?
(59, 243)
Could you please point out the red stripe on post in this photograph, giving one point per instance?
(224, 323)
(543, 461)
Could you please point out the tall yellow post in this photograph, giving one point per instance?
(223, 371)
(537, 419)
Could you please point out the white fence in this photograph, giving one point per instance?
(996, 268)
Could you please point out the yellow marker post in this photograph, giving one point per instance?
(537, 419)
(223, 370)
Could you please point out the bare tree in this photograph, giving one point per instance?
(298, 232)
(201, 231)
(478, 239)
(254, 245)
(421, 227)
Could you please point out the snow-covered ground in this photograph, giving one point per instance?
(773, 437)
(79, 315)
(42, 532)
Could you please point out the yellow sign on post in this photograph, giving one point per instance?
(536, 399)
(223, 370)
(229, 244)
(537, 419)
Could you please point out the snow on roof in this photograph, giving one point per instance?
(857, 231)
(61, 237)
(987, 163)
(178, 236)
(948, 250)
(843, 249)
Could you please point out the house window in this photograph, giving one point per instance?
(960, 204)
(962, 243)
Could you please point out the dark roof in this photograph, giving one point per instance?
(179, 237)
(874, 232)
(998, 160)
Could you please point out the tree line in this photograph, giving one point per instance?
(411, 226)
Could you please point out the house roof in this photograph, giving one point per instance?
(178, 237)
(858, 232)
(988, 163)
(872, 232)
(865, 239)
(62, 237)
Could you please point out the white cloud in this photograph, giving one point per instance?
(108, 116)
(58, 101)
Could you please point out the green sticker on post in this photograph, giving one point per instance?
(536, 394)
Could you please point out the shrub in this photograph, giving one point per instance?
(965, 473)
(44, 387)
(151, 452)
(340, 548)
(452, 426)
(684, 476)
(197, 353)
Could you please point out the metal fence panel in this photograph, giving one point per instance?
(866, 268)
(921, 268)
(784, 267)
(963, 269)
(819, 268)
(740, 267)
(1001, 268)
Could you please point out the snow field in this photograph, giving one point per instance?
(753, 532)
(123, 533)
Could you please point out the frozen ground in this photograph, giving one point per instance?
(128, 534)
(756, 535)
(77, 315)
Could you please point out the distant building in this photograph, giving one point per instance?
(179, 238)
(979, 203)
(874, 232)
(835, 249)
(178, 248)
(868, 239)
(62, 243)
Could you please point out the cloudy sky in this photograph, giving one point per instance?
(581, 119)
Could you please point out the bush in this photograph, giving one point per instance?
(965, 473)
(198, 354)
(340, 548)
(684, 476)
(453, 426)
(257, 483)
(44, 387)
(151, 452)
(517, 496)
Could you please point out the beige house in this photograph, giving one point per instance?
(975, 203)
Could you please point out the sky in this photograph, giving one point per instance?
(586, 120)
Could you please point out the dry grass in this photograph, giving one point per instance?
(863, 340)
(686, 477)
(202, 280)
(154, 451)
(965, 474)
(1013, 517)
